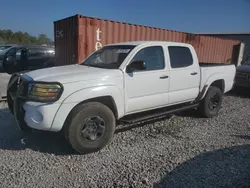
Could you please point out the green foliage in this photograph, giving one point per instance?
(9, 37)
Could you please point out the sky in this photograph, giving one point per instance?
(195, 16)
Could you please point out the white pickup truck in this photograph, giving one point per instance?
(126, 82)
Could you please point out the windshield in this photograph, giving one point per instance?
(109, 57)
(4, 48)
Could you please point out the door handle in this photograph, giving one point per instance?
(163, 77)
(194, 73)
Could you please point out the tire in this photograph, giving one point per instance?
(10, 103)
(205, 108)
(78, 121)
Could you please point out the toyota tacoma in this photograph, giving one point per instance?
(119, 83)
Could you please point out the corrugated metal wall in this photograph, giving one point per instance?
(94, 33)
(243, 37)
(66, 40)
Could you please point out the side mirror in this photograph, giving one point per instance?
(9, 59)
(136, 66)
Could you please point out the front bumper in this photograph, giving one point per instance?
(242, 84)
(28, 114)
(242, 79)
(39, 116)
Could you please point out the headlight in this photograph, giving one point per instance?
(44, 91)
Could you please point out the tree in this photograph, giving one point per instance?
(1, 40)
(43, 39)
(19, 37)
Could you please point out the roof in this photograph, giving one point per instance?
(109, 20)
(136, 43)
(226, 33)
(28, 45)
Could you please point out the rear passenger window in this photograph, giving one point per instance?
(35, 52)
(152, 56)
(180, 56)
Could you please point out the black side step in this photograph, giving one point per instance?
(2, 97)
(135, 118)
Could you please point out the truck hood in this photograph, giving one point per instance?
(243, 68)
(72, 73)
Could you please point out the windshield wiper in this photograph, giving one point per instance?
(97, 66)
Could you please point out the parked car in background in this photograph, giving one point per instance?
(242, 78)
(3, 49)
(16, 58)
(126, 82)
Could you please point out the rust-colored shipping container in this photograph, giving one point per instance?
(78, 36)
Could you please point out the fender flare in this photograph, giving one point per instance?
(84, 94)
(208, 83)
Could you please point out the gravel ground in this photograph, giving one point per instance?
(183, 151)
(4, 79)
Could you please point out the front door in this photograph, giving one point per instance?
(15, 60)
(147, 89)
(21, 58)
(184, 75)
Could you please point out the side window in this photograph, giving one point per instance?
(36, 52)
(19, 53)
(180, 56)
(11, 52)
(152, 56)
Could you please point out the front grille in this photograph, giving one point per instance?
(242, 76)
(21, 94)
(18, 87)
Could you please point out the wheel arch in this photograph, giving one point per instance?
(220, 83)
(109, 96)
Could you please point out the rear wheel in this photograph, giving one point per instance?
(10, 103)
(211, 103)
(90, 127)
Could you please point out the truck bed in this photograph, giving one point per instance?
(224, 72)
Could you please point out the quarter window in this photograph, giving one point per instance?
(180, 56)
(152, 56)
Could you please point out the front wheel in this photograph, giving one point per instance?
(90, 127)
(211, 103)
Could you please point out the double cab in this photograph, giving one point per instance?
(126, 82)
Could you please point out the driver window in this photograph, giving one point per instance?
(20, 54)
(152, 56)
(12, 53)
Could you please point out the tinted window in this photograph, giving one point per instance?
(34, 52)
(180, 56)
(152, 56)
(12, 52)
(18, 54)
(4, 47)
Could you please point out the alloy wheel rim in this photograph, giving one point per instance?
(93, 128)
(214, 102)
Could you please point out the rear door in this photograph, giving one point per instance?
(36, 58)
(184, 74)
(147, 89)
